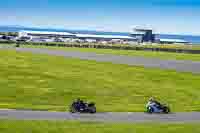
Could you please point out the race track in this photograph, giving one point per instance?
(100, 117)
(178, 65)
(183, 66)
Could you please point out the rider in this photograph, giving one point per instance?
(80, 104)
(77, 100)
(153, 102)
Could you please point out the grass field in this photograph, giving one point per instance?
(45, 82)
(149, 54)
(78, 127)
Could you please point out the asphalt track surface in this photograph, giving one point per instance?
(178, 65)
(100, 117)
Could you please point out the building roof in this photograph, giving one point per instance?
(137, 33)
(173, 40)
(143, 28)
(47, 33)
(103, 36)
(78, 35)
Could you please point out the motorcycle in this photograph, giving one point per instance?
(154, 108)
(84, 108)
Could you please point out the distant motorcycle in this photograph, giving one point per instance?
(154, 108)
(76, 107)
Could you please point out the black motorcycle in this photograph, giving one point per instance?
(76, 107)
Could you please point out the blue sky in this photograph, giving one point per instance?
(164, 16)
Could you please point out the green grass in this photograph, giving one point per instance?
(43, 82)
(174, 46)
(89, 127)
(148, 54)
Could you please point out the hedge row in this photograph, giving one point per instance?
(6, 42)
(120, 47)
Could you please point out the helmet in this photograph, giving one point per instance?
(78, 99)
(151, 99)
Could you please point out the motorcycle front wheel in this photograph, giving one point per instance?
(72, 109)
(150, 110)
(92, 110)
(166, 110)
